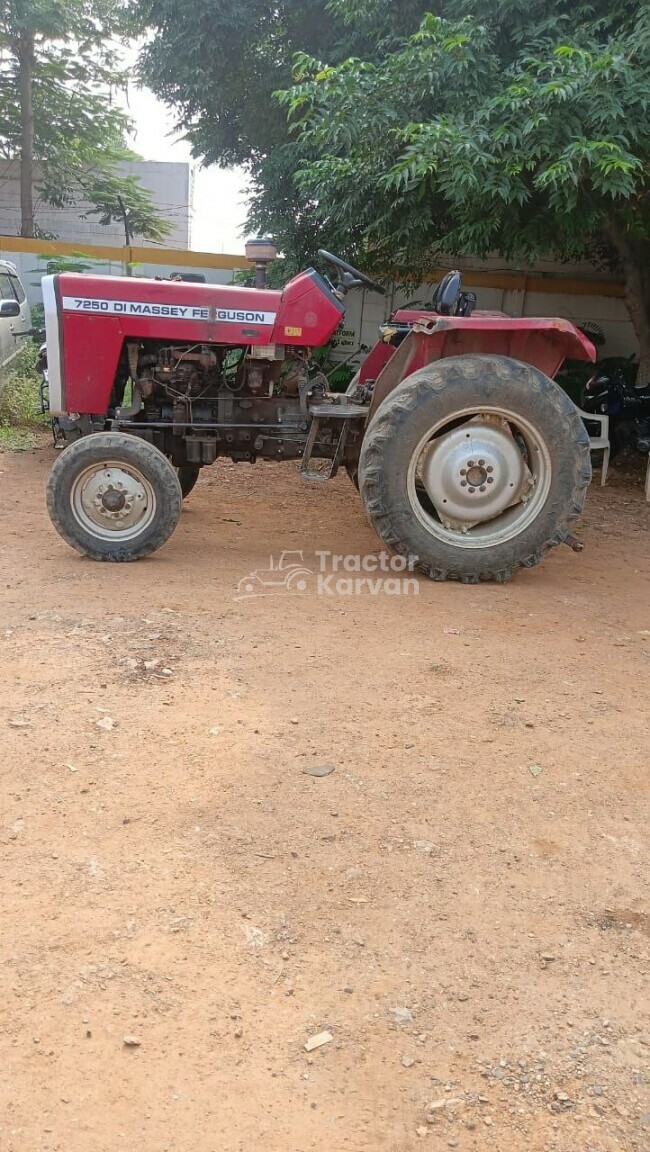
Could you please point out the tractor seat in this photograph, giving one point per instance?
(449, 299)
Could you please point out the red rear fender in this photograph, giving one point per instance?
(542, 341)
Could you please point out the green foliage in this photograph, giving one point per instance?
(79, 131)
(496, 126)
(468, 127)
(218, 63)
(123, 199)
(20, 407)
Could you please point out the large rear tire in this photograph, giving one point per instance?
(476, 466)
(113, 496)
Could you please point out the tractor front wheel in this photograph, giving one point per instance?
(475, 467)
(113, 496)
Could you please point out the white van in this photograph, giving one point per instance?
(15, 316)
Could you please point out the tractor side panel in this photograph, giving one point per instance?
(90, 317)
(98, 313)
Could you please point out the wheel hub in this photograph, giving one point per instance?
(475, 472)
(112, 498)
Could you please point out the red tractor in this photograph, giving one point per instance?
(468, 457)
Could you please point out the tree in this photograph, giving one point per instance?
(124, 200)
(218, 64)
(502, 126)
(62, 57)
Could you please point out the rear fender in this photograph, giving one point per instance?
(543, 342)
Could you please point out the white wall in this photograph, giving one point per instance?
(366, 311)
(169, 184)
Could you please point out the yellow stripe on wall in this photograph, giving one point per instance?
(508, 281)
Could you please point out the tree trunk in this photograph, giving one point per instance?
(26, 76)
(634, 257)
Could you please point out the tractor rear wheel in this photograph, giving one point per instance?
(188, 475)
(476, 466)
(113, 496)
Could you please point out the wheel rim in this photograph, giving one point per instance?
(113, 500)
(480, 479)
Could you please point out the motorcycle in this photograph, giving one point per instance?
(628, 409)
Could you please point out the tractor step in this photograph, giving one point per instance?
(344, 413)
(339, 411)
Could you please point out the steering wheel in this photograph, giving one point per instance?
(352, 277)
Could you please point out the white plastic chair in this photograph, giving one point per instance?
(601, 444)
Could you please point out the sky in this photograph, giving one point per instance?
(219, 196)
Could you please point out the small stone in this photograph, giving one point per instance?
(402, 1016)
(131, 1042)
(319, 770)
(348, 989)
(294, 720)
(548, 957)
(421, 1131)
(470, 1125)
(488, 1121)
(462, 996)
(106, 723)
(436, 1105)
(215, 731)
(318, 1041)
(19, 723)
(408, 1062)
(535, 769)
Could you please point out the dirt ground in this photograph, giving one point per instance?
(472, 932)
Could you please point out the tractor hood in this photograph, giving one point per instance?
(89, 318)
